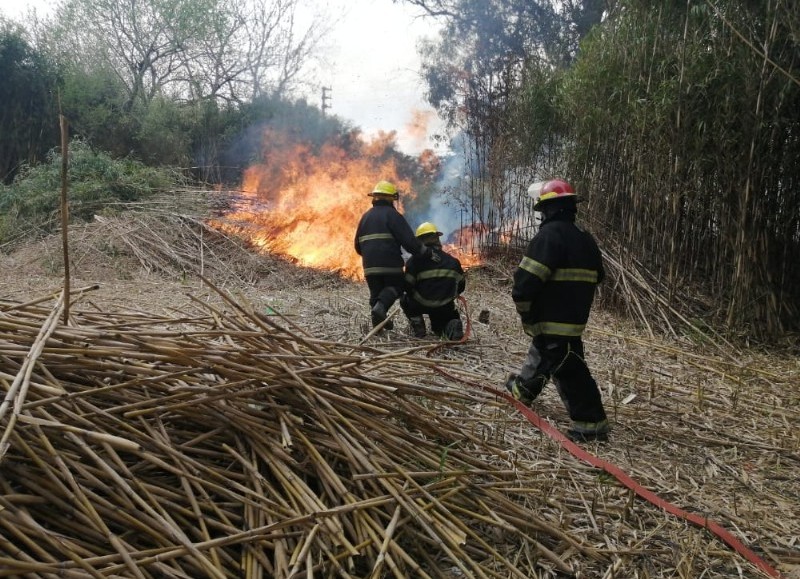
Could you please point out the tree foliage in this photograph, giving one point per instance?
(94, 103)
(485, 52)
(678, 121)
(479, 52)
(187, 50)
(685, 129)
(166, 80)
(30, 205)
(28, 114)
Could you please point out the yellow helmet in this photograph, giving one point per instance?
(385, 188)
(427, 228)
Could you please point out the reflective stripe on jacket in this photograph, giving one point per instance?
(380, 234)
(555, 282)
(431, 284)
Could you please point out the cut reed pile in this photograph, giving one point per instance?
(221, 444)
(224, 445)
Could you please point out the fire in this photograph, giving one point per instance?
(467, 258)
(305, 204)
(417, 127)
(468, 237)
(465, 244)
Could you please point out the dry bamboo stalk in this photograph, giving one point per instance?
(379, 327)
(19, 387)
(86, 507)
(380, 559)
(170, 529)
(116, 441)
(27, 305)
(300, 555)
(420, 516)
(328, 400)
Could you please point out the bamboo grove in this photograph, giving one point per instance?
(695, 161)
(679, 122)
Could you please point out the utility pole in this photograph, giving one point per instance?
(326, 98)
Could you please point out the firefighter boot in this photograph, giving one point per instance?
(417, 324)
(526, 391)
(378, 313)
(589, 431)
(453, 331)
(517, 389)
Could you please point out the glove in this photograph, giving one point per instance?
(431, 254)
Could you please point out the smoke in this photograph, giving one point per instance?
(418, 128)
(449, 207)
(297, 121)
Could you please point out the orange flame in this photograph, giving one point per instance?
(305, 204)
(465, 244)
(417, 127)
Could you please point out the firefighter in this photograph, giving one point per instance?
(381, 233)
(553, 291)
(432, 288)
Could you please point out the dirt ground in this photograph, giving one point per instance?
(712, 430)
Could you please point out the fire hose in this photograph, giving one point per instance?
(610, 468)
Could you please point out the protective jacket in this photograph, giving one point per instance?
(555, 282)
(380, 234)
(431, 284)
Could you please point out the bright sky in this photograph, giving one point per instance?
(375, 75)
(374, 72)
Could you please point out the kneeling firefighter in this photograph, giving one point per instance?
(432, 287)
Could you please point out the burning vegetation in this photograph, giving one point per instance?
(303, 201)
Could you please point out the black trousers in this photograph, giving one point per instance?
(560, 359)
(439, 316)
(385, 289)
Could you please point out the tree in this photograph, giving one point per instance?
(161, 79)
(685, 130)
(473, 71)
(29, 113)
(95, 101)
(188, 50)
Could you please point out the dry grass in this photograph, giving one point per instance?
(452, 479)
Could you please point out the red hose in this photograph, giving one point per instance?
(630, 483)
(610, 468)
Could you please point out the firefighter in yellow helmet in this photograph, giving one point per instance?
(381, 234)
(553, 292)
(432, 287)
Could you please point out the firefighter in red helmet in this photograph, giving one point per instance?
(553, 291)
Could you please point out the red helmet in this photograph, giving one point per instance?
(549, 190)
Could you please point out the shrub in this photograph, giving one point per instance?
(30, 205)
